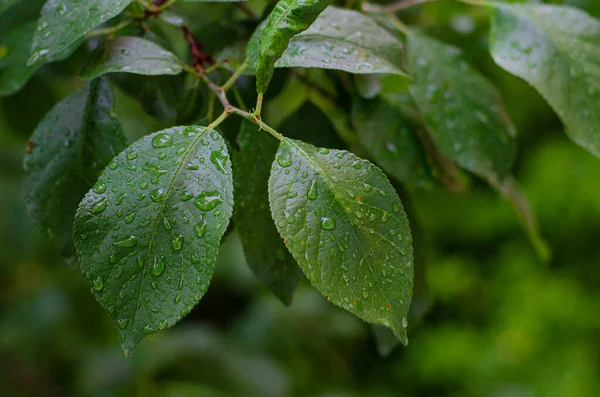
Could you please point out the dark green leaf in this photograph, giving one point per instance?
(265, 252)
(148, 233)
(63, 22)
(345, 226)
(555, 49)
(288, 18)
(68, 150)
(14, 52)
(339, 39)
(392, 140)
(6, 4)
(131, 55)
(159, 96)
(463, 111)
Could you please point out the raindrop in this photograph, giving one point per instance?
(162, 140)
(129, 218)
(98, 283)
(100, 187)
(395, 207)
(177, 242)
(327, 223)
(99, 206)
(128, 242)
(159, 266)
(312, 190)
(284, 161)
(200, 229)
(123, 322)
(185, 196)
(208, 200)
(220, 161)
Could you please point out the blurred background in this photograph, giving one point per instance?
(490, 319)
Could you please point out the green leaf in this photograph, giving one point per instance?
(14, 52)
(148, 233)
(63, 22)
(6, 4)
(555, 49)
(288, 18)
(340, 39)
(346, 227)
(68, 150)
(393, 142)
(131, 55)
(462, 110)
(265, 252)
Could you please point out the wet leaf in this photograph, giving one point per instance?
(265, 252)
(345, 225)
(64, 22)
(462, 110)
(148, 233)
(288, 18)
(555, 49)
(339, 39)
(393, 142)
(131, 55)
(67, 151)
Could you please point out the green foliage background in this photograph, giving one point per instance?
(497, 323)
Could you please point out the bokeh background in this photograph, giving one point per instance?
(492, 320)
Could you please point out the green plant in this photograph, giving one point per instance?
(147, 232)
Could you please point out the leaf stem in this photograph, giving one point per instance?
(226, 113)
(258, 108)
(110, 30)
(398, 24)
(229, 109)
(229, 83)
(393, 7)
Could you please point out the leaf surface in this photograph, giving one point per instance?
(131, 55)
(63, 22)
(555, 49)
(265, 252)
(393, 142)
(67, 151)
(340, 39)
(345, 226)
(288, 18)
(14, 52)
(148, 233)
(462, 110)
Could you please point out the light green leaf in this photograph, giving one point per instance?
(68, 150)
(393, 142)
(265, 252)
(288, 18)
(340, 39)
(148, 233)
(131, 55)
(14, 52)
(63, 22)
(346, 227)
(556, 50)
(462, 110)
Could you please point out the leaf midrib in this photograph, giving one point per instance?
(158, 217)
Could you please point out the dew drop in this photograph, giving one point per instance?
(129, 218)
(100, 187)
(161, 140)
(127, 242)
(157, 195)
(327, 223)
(395, 207)
(123, 322)
(159, 266)
(177, 242)
(284, 161)
(98, 283)
(99, 206)
(220, 161)
(208, 200)
(200, 229)
(312, 190)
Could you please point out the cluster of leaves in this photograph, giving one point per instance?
(147, 232)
